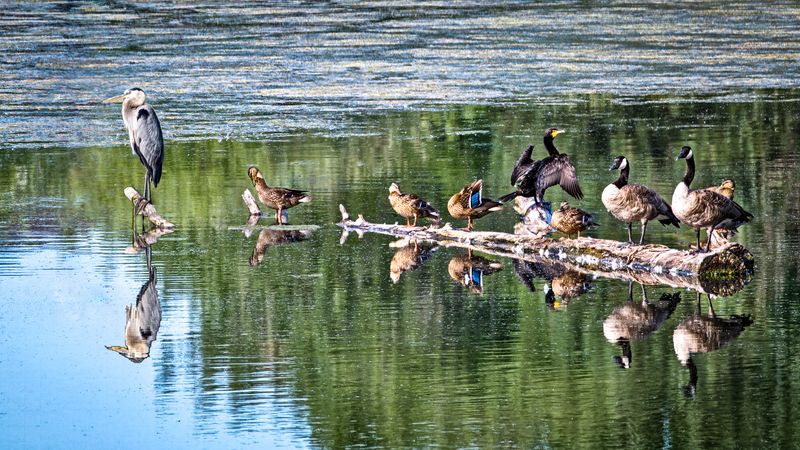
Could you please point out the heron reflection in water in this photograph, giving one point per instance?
(409, 256)
(142, 320)
(634, 321)
(144, 133)
(469, 270)
(703, 334)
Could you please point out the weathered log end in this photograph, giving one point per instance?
(250, 202)
(146, 209)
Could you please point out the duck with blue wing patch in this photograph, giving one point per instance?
(470, 204)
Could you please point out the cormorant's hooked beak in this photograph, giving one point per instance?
(556, 133)
(117, 99)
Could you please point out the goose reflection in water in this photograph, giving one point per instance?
(409, 256)
(469, 270)
(635, 321)
(269, 238)
(142, 320)
(565, 287)
(703, 334)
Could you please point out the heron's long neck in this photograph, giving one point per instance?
(689, 175)
(551, 148)
(623, 177)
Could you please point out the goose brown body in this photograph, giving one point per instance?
(571, 220)
(704, 208)
(635, 202)
(411, 205)
(531, 178)
(276, 198)
(468, 203)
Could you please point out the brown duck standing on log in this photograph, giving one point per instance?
(468, 203)
(532, 178)
(571, 220)
(276, 198)
(411, 205)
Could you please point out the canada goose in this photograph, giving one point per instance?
(635, 202)
(532, 178)
(276, 198)
(571, 220)
(703, 208)
(410, 256)
(468, 203)
(410, 205)
(469, 270)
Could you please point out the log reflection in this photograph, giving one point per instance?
(143, 319)
(409, 256)
(702, 334)
(469, 270)
(271, 237)
(635, 321)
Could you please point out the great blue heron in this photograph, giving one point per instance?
(144, 131)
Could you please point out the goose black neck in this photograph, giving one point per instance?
(623, 177)
(551, 148)
(689, 175)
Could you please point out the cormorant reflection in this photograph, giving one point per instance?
(469, 270)
(635, 321)
(409, 256)
(142, 320)
(703, 334)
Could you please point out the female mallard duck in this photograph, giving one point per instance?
(469, 203)
(276, 198)
(725, 188)
(410, 205)
(703, 208)
(571, 220)
(469, 270)
(532, 178)
(635, 202)
(410, 256)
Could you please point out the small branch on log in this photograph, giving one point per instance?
(147, 209)
(252, 206)
(721, 271)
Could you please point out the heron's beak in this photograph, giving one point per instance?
(117, 99)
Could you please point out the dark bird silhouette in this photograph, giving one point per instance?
(144, 132)
(532, 178)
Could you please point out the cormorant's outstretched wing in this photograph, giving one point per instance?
(560, 171)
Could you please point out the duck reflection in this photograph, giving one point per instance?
(565, 287)
(270, 237)
(469, 270)
(142, 320)
(528, 271)
(635, 321)
(409, 256)
(703, 334)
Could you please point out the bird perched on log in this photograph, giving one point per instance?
(469, 203)
(726, 188)
(276, 198)
(571, 220)
(635, 202)
(703, 208)
(144, 133)
(531, 178)
(411, 205)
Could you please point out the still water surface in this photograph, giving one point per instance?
(311, 343)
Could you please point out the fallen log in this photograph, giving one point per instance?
(722, 271)
(146, 209)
